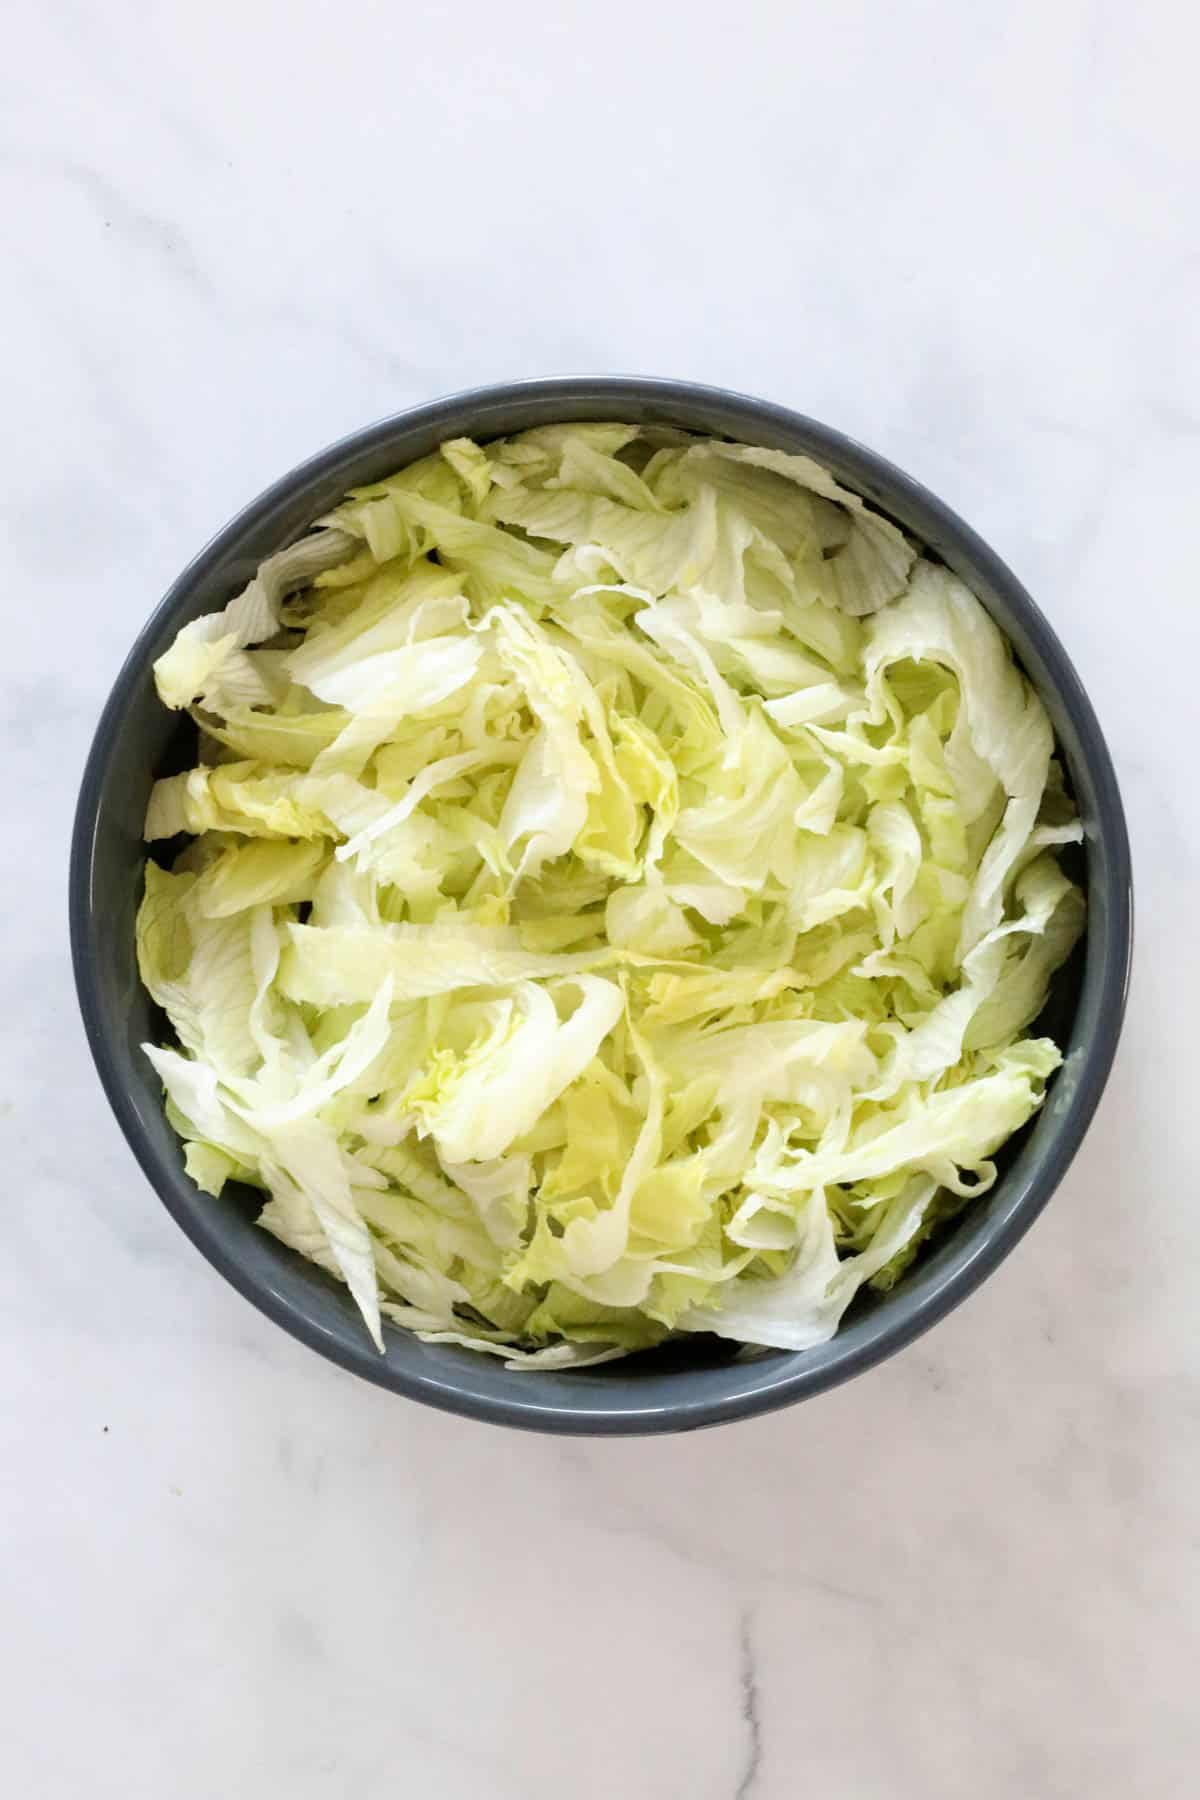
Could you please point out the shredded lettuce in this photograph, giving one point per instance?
(619, 875)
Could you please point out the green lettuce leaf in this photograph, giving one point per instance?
(619, 876)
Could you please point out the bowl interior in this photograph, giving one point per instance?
(681, 1385)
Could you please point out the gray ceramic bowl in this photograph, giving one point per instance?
(701, 1382)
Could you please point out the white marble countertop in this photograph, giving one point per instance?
(966, 235)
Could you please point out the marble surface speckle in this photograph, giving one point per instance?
(966, 235)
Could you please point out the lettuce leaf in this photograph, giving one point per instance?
(618, 877)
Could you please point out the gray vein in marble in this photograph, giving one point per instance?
(714, 1558)
(82, 36)
(136, 224)
(751, 1715)
(378, 356)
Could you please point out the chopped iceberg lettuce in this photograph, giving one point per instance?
(620, 879)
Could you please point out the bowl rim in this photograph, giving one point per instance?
(769, 1382)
